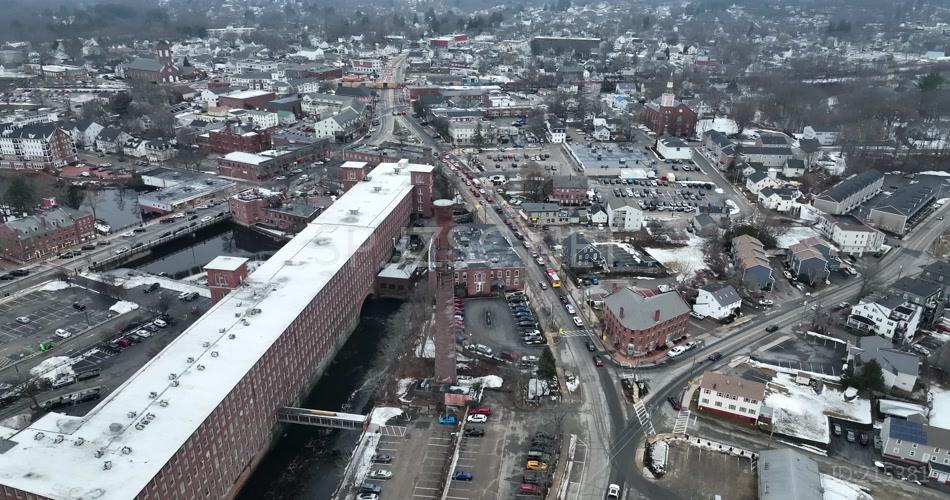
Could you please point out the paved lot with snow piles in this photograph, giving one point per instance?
(690, 258)
(940, 412)
(796, 234)
(798, 411)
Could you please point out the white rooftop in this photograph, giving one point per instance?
(242, 157)
(226, 263)
(247, 94)
(140, 425)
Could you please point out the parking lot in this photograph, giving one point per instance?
(420, 460)
(694, 472)
(818, 356)
(510, 161)
(48, 310)
(501, 334)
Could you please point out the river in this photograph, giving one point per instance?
(117, 207)
(308, 462)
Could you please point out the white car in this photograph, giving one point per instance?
(206, 218)
(676, 351)
(613, 491)
(179, 215)
(160, 323)
(23, 320)
(128, 234)
(570, 309)
(477, 418)
(119, 251)
(696, 315)
(63, 334)
(577, 321)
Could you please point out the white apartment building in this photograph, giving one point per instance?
(731, 396)
(263, 119)
(624, 217)
(888, 315)
(367, 66)
(850, 235)
(717, 301)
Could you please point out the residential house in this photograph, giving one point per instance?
(782, 199)
(772, 141)
(812, 260)
(793, 168)
(623, 217)
(901, 210)
(825, 136)
(922, 293)
(669, 116)
(580, 253)
(752, 263)
(159, 151)
(912, 441)
(705, 225)
(887, 314)
(638, 322)
(84, 134)
(111, 140)
(45, 234)
(717, 301)
(599, 215)
(556, 132)
(720, 150)
(545, 214)
(324, 105)
(846, 195)
(731, 396)
(760, 180)
(569, 190)
(849, 234)
(209, 97)
(767, 156)
(340, 126)
(789, 474)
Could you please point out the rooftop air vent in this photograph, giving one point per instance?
(232, 336)
(98, 453)
(377, 189)
(116, 427)
(38, 436)
(174, 383)
(190, 360)
(164, 403)
(152, 395)
(354, 211)
(58, 439)
(172, 376)
(245, 321)
(107, 465)
(79, 442)
(132, 414)
(207, 344)
(126, 450)
(201, 367)
(214, 354)
(220, 330)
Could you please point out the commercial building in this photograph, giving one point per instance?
(788, 474)
(366, 66)
(239, 138)
(485, 263)
(245, 99)
(267, 164)
(200, 416)
(638, 322)
(673, 148)
(901, 210)
(669, 116)
(849, 234)
(189, 192)
(556, 133)
(45, 234)
(846, 195)
(225, 273)
(255, 206)
(569, 190)
(36, 147)
(731, 396)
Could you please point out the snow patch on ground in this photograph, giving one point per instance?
(690, 258)
(934, 172)
(658, 453)
(402, 387)
(940, 409)
(795, 234)
(123, 306)
(121, 278)
(53, 286)
(488, 381)
(382, 414)
(725, 125)
(52, 368)
(426, 349)
(733, 208)
(799, 412)
(572, 385)
(838, 489)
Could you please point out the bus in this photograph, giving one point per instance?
(553, 278)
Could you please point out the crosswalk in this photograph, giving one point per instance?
(643, 416)
(393, 430)
(575, 333)
(682, 422)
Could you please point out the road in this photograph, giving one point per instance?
(47, 270)
(389, 101)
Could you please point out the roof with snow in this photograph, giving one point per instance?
(63, 457)
(787, 474)
(225, 263)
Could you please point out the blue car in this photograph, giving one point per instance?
(448, 420)
(461, 475)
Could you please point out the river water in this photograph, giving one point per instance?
(117, 207)
(308, 462)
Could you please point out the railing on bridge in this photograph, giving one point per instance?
(122, 257)
(320, 418)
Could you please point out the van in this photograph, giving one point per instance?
(483, 349)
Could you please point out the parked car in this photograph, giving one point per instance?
(151, 287)
(613, 491)
(474, 432)
(160, 323)
(380, 474)
(78, 306)
(674, 403)
(477, 418)
(367, 496)
(481, 410)
(448, 420)
(536, 465)
(696, 315)
(598, 362)
(676, 351)
(371, 488)
(381, 458)
(591, 347)
(577, 321)
(63, 334)
(529, 489)
(23, 320)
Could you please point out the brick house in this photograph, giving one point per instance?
(237, 138)
(45, 234)
(485, 263)
(669, 116)
(639, 321)
(569, 190)
(267, 164)
(252, 207)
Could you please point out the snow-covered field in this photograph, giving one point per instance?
(799, 412)
(936, 173)
(940, 412)
(839, 489)
(689, 259)
(53, 286)
(382, 414)
(796, 234)
(725, 125)
(488, 381)
(123, 306)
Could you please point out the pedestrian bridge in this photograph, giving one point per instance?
(321, 418)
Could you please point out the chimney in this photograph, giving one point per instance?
(621, 313)
(656, 316)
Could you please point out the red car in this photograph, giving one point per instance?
(598, 362)
(481, 410)
(529, 489)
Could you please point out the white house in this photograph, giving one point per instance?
(793, 168)
(263, 119)
(342, 123)
(849, 234)
(900, 369)
(888, 315)
(624, 217)
(778, 199)
(555, 131)
(731, 396)
(717, 300)
(84, 134)
(210, 96)
(758, 181)
(673, 148)
(598, 215)
(601, 133)
(825, 136)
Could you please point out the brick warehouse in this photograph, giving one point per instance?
(196, 420)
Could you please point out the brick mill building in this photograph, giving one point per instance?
(45, 234)
(669, 116)
(225, 273)
(196, 420)
(485, 263)
(239, 138)
(638, 322)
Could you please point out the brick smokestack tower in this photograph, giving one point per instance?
(442, 280)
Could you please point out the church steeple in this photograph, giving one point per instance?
(163, 52)
(668, 97)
